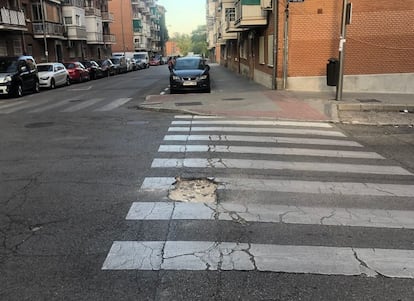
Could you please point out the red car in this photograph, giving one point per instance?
(155, 61)
(77, 72)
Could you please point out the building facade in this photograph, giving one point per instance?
(56, 30)
(283, 44)
(138, 26)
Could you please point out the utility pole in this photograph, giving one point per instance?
(44, 31)
(275, 42)
(342, 41)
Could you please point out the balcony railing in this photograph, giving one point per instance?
(249, 15)
(12, 19)
(77, 3)
(51, 30)
(95, 38)
(107, 17)
(75, 32)
(109, 39)
(92, 11)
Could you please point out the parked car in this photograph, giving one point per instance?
(134, 64)
(142, 58)
(95, 71)
(77, 72)
(120, 64)
(52, 75)
(190, 74)
(18, 75)
(108, 68)
(155, 61)
(129, 64)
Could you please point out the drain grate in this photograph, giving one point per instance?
(38, 125)
(232, 99)
(368, 100)
(194, 103)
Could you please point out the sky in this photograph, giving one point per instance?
(184, 16)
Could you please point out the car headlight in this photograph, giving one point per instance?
(7, 79)
(175, 77)
(202, 77)
(44, 77)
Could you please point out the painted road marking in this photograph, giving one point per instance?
(12, 104)
(114, 104)
(312, 187)
(258, 130)
(197, 117)
(82, 105)
(23, 106)
(269, 213)
(253, 122)
(261, 139)
(228, 256)
(51, 106)
(268, 151)
(278, 165)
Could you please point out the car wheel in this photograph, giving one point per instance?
(19, 90)
(36, 87)
(68, 81)
(52, 83)
(172, 91)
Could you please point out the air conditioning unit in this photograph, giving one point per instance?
(266, 4)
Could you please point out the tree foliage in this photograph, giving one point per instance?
(196, 42)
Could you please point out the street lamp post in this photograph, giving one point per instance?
(342, 41)
(44, 30)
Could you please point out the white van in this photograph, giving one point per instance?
(142, 58)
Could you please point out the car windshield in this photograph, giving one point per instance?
(44, 68)
(116, 60)
(87, 64)
(8, 66)
(139, 56)
(70, 66)
(188, 64)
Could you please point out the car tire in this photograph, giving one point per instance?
(52, 84)
(19, 90)
(172, 91)
(68, 81)
(36, 88)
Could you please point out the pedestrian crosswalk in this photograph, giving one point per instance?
(69, 105)
(271, 173)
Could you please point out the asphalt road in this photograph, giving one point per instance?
(74, 160)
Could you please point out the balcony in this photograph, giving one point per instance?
(249, 13)
(75, 32)
(76, 3)
(95, 38)
(230, 27)
(53, 30)
(107, 17)
(138, 46)
(109, 39)
(92, 11)
(12, 20)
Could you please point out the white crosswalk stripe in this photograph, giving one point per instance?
(274, 180)
(65, 105)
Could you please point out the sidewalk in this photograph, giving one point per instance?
(249, 99)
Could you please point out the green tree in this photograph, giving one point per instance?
(199, 40)
(183, 42)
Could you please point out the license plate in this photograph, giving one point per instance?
(189, 83)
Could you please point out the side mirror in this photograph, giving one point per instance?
(23, 69)
(207, 67)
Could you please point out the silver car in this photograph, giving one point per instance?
(52, 75)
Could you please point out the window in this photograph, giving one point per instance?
(78, 20)
(270, 50)
(68, 20)
(261, 50)
(3, 48)
(230, 14)
(17, 47)
(36, 12)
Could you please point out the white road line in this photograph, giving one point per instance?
(26, 105)
(51, 106)
(262, 139)
(258, 130)
(12, 104)
(82, 105)
(254, 122)
(279, 165)
(269, 213)
(114, 104)
(228, 256)
(268, 151)
(311, 187)
(197, 117)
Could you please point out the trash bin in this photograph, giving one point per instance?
(332, 71)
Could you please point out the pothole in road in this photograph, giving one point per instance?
(194, 190)
(38, 125)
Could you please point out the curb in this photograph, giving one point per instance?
(376, 107)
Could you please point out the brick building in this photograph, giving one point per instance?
(379, 48)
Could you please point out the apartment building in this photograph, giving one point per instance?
(138, 25)
(55, 30)
(287, 44)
